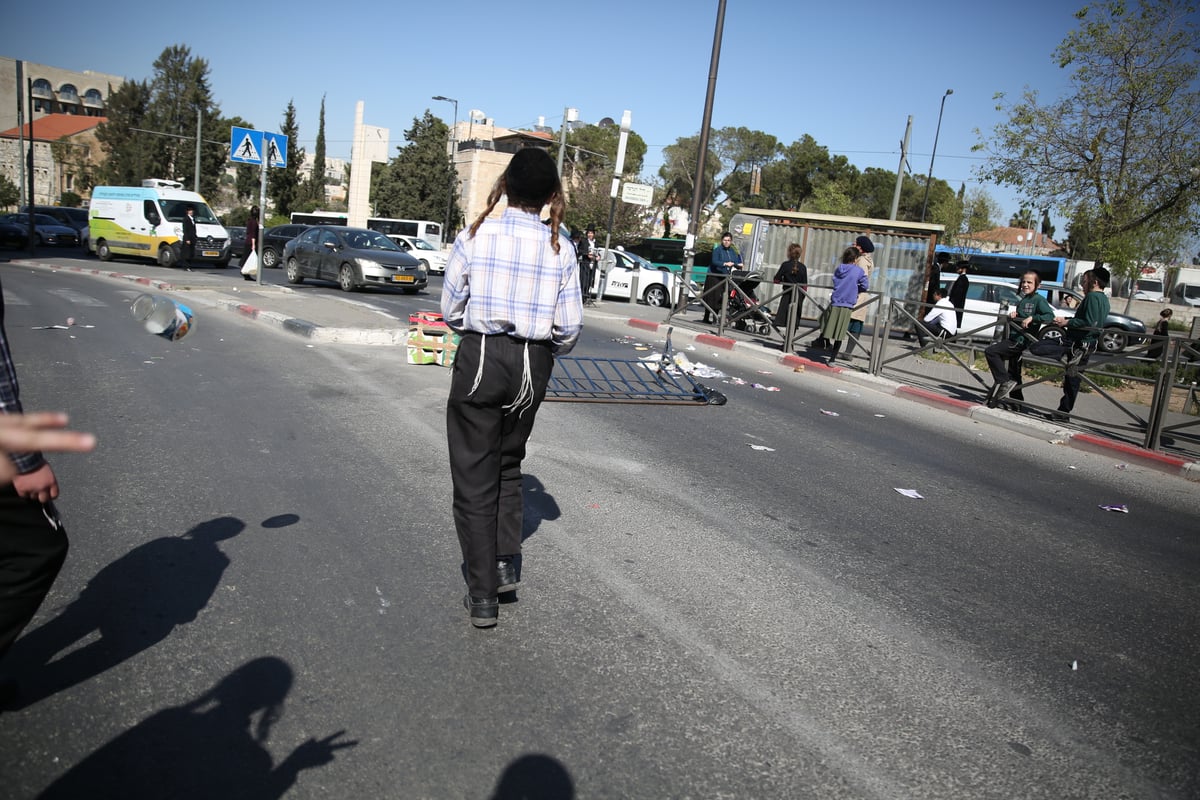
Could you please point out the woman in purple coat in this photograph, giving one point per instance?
(848, 280)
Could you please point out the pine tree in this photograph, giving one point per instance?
(283, 183)
(316, 179)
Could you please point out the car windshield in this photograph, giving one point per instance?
(369, 240)
(421, 244)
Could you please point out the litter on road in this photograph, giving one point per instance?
(913, 493)
(830, 413)
(1120, 508)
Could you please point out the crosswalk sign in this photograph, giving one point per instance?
(276, 148)
(245, 145)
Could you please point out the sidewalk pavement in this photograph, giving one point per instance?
(330, 318)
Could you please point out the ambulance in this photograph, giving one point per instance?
(147, 222)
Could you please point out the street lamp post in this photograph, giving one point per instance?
(453, 175)
(933, 155)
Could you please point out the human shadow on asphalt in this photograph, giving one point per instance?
(211, 747)
(540, 505)
(534, 777)
(133, 603)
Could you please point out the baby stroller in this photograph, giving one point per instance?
(745, 312)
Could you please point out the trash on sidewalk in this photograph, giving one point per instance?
(913, 493)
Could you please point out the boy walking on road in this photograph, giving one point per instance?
(512, 290)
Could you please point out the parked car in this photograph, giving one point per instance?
(352, 258)
(47, 230)
(237, 243)
(433, 260)
(274, 240)
(654, 284)
(986, 295)
(13, 235)
(76, 218)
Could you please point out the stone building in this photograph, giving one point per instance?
(65, 150)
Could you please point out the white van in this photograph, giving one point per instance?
(147, 222)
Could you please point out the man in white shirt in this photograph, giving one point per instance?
(940, 321)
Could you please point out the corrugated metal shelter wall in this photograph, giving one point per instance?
(900, 257)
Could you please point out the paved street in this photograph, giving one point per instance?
(263, 595)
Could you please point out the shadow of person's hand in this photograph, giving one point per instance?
(316, 752)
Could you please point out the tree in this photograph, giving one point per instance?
(316, 179)
(1120, 150)
(419, 181)
(151, 127)
(129, 154)
(9, 193)
(733, 152)
(283, 183)
(980, 210)
(593, 147)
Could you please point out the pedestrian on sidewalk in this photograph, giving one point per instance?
(958, 290)
(858, 316)
(725, 259)
(1024, 321)
(792, 272)
(512, 290)
(849, 281)
(1162, 329)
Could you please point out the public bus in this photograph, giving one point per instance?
(1008, 265)
(320, 218)
(416, 228)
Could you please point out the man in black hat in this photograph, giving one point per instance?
(958, 290)
(589, 261)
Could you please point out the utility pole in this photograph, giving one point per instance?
(689, 244)
(900, 169)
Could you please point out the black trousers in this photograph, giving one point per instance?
(1004, 361)
(487, 426)
(33, 546)
(1071, 380)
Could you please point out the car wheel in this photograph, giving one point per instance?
(102, 251)
(270, 258)
(656, 295)
(1053, 333)
(1112, 340)
(166, 256)
(293, 271)
(346, 278)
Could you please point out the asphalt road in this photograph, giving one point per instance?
(263, 594)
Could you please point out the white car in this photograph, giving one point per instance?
(432, 259)
(619, 270)
(986, 295)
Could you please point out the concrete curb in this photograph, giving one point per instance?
(1163, 462)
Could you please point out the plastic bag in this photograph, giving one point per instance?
(250, 267)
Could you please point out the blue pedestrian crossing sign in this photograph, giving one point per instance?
(248, 146)
(276, 148)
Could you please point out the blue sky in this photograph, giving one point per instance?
(849, 74)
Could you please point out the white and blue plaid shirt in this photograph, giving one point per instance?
(10, 397)
(508, 279)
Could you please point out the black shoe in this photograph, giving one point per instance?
(485, 612)
(1060, 416)
(1074, 355)
(1003, 390)
(506, 575)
